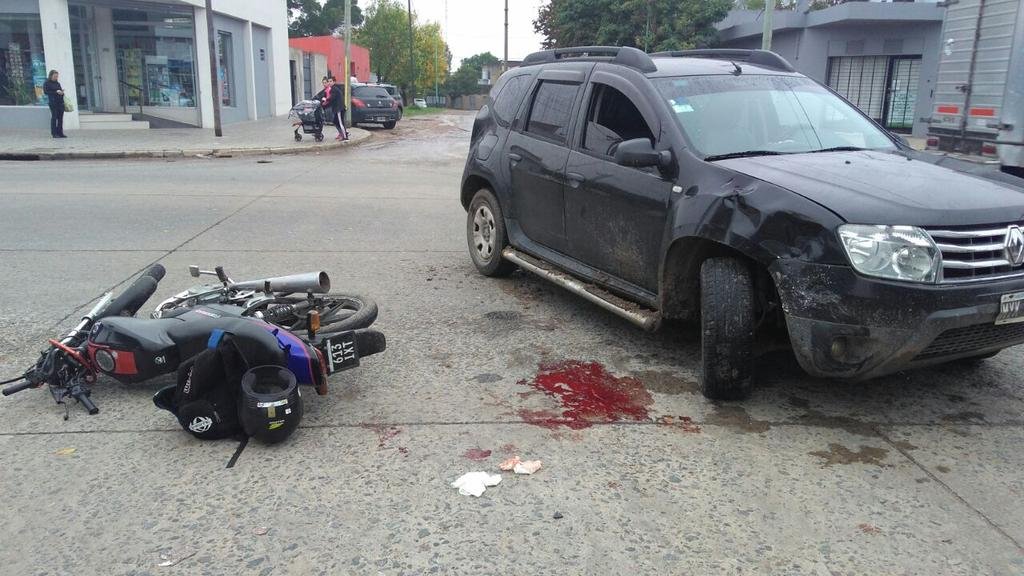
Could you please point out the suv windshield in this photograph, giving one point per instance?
(727, 116)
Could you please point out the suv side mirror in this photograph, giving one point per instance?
(639, 153)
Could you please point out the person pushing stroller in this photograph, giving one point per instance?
(332, 99)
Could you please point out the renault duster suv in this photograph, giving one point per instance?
(724, 187)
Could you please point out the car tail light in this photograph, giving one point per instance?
(933, 143)
(357, 103)
(989, 149)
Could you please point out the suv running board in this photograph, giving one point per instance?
(643, 317)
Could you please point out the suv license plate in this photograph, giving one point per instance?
(341, 352)
(382, 118)
(1011, 308)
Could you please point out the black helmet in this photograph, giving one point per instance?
(270, 406)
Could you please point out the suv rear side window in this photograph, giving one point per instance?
(612, 118)
(370, 92)
(551, 109)
(507, 102)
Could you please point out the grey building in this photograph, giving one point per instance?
(883, 57)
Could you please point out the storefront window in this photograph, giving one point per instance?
(156, 57)
(22, 63)
(225, 70)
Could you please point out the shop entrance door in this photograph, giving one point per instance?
(84, 54)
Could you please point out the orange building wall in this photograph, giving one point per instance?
(334, 49)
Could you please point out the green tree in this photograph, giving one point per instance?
(465, 79)
(311, 18)
(432, 58)
(385, 33)
(646, 24)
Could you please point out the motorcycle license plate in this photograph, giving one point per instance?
(1011, 308)
(340, 351)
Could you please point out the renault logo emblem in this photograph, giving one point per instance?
(1015, 245)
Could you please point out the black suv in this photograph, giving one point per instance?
(722, 186)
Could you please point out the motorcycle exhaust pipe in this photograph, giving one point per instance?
(316, 282)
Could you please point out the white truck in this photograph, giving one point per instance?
(979, 93)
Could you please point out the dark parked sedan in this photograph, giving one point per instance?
(373, 105)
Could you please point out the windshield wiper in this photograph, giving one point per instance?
(840, 149)
(744, 154)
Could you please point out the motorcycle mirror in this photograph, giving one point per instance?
(194, 271)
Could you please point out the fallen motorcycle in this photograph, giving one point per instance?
(315, 332)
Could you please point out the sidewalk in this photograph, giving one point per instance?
(269, 136)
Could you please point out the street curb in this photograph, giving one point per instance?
(189, 153)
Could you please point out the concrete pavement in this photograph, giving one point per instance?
(918, 473)
(268, 136)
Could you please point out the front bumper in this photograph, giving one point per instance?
(848, 326)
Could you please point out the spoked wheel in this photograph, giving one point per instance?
(338, 312)
(298, 137)
(319, 137)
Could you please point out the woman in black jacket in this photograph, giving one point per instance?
(55, 93)
(332, 99)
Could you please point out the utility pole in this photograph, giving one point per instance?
(766, 35)
(436, 63)
(348, 59)
(213, 69)
(412, 58)
(505, 67)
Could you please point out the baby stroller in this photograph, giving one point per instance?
(309, 115)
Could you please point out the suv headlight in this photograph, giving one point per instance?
(893, 252)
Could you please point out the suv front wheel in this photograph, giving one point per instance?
(726, 329)
(485, 232)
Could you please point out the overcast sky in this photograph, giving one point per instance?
(476, 26)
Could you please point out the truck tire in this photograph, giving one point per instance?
(726, 329)
(485, 234)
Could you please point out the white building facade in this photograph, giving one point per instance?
(148, 58)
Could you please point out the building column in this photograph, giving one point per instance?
(56, 24)
(250, 71)
(206, 91)
(106, 50)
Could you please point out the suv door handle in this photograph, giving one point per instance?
(575, 179)
(514, 157)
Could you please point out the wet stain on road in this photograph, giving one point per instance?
(736, 418)
(681, 423)
(588, 394)
(844, 423)
(966, 416)
(477, 454)
(665, 382)
(839, 454)
(384, 433)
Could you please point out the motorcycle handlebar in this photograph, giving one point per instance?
(84, 400)
(129, 301)
(15, 388)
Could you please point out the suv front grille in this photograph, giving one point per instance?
(974, 253)
(971, 338)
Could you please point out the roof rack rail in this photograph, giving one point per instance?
(757, 57)
(622, 55)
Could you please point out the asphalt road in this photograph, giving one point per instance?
(919, 473)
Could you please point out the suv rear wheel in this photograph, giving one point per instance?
(485, 232)
(726, 329)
